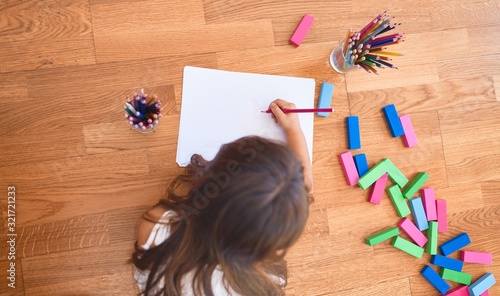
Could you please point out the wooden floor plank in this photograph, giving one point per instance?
(83, 177)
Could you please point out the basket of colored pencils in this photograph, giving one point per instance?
(368, 48)
(143, 112)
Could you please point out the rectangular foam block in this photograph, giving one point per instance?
(435, 280)
(476, 257)
(408, 247)
(459, 291)
(325, 98)
(409, 136)
(302, 29)
(454, 244)
(418, 237)
(432, 237)
(382, 236)
(429, 203)
(417, 209)
(372, 175)
(398, 200)
(485, 293)
(353, 137)
(378, 190)
(350, 171)
(361, 164)
(441, 215)
(450, 263)
(395, 174)
(482, 284)
(415, 184)
(393, 121)
(456, 276)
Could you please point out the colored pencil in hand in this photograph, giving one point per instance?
(312, 110)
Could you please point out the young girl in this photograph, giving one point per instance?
(225, 225)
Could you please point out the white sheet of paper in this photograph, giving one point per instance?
(219, 107)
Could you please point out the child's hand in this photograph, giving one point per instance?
(289, 121)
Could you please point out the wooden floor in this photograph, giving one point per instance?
(82, 177)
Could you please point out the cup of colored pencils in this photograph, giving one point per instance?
(143, 112)
(368, 48)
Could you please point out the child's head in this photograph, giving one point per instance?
(250, 200)
(242, 211)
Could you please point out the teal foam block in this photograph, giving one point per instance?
(415, 184)
(325, 98)
(417, 209)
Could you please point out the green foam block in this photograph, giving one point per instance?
(395, 174)
(415, 184)
(456, 276)
(408, 247)
(372, 175)
(432, 238)
(382, 236)
(398, 200)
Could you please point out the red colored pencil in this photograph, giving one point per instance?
(302, 110)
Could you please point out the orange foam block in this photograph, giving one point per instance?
(350, 171)
(409, 136)
(301, 31)
(476, 257)
(378, 189)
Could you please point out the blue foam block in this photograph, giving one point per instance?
(417, 209)
(446, 262)
(393, 121)
(353, 138)
(454, 244)
(325, 98)
(482, 284)
(361, 164)
(434, 278)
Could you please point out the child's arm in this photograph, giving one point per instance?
(295, 137)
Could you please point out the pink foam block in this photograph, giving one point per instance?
(350, 171)
(441, 215)
(459, 291)
(429, 204)
(302, 29)
(476, 257)
(409, 136)
(378, 189)
(418, 237)
(485, 293)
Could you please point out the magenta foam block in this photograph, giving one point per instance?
(378, 189)
(476, 257)
(350, 171)
(429, 204)
(409, 136)
(416, 235)
(459, 291)
(485, 293)
(441, 215)
(301, 31)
